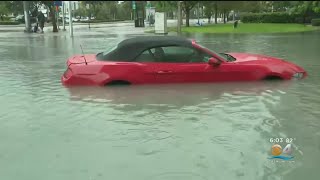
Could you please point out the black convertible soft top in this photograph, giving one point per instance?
(129, 49)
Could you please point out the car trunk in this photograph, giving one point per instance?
(81, 59)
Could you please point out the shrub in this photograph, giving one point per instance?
(4, 18)
(9, 23)
(268, 18)
(315, 22)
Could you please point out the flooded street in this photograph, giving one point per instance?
(154, 132)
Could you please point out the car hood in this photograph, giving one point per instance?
(263, 59)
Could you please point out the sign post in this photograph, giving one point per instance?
(63, 19)
(70, 19)
(134, 9)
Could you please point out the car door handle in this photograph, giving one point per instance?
(164, 72)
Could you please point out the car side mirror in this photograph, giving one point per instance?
(213, 62)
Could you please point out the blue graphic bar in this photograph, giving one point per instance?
(286, 158)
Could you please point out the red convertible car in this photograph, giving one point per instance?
(172, 59)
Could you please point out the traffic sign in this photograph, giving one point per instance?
(133, 5)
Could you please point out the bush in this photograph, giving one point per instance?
(9, 23)
(4, 18)
(268, 18)
(300, 20)
(315, 22)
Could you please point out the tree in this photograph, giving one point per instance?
(4, 10)
(165, 6)
(81, 11)
(94, 5)
(107, 10)
(316, 6)
(225, 7)
(304, 8)
(126, 7)
(252, 6)
(186, 7)
(208, 9)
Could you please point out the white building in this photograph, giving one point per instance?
(74, 5)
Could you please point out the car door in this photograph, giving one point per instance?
(184, 65)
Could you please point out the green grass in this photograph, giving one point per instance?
(248, 28)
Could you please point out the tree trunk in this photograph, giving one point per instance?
(215, 14)
(54, 23)
(187, 17)
(224, 16)
(209, 18)
(201, 11)
(182, 17)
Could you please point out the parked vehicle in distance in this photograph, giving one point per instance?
(172, 59)
(84, 19)
(21, 19)
(73, 19)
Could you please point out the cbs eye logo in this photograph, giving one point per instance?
(278, 153)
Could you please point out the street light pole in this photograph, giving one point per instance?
(63, 15)
(179, 18)
(26, 16)
(88, 8)
(70, 19)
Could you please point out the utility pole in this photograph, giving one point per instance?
(63, 17)
(26, 16)
(179, 18)
(70, 19)
(89, 16)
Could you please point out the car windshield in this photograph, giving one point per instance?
(224, 56)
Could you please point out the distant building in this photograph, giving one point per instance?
(74, 5)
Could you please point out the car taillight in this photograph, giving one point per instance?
(67, 73)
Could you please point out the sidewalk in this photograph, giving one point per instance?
(21, 27)
(100, 29)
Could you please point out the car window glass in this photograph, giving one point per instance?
(172, 54)
(176, 50)
(145, 56)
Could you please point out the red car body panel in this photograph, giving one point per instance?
(247, 67)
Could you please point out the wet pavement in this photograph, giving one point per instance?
(159, 132)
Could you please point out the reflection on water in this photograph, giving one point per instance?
(155, 132)
(173, 95)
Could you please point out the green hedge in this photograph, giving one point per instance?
(9, 23)
(315, 22)
(5, 19)
(269, 18)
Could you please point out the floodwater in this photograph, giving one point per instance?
(158, 132)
